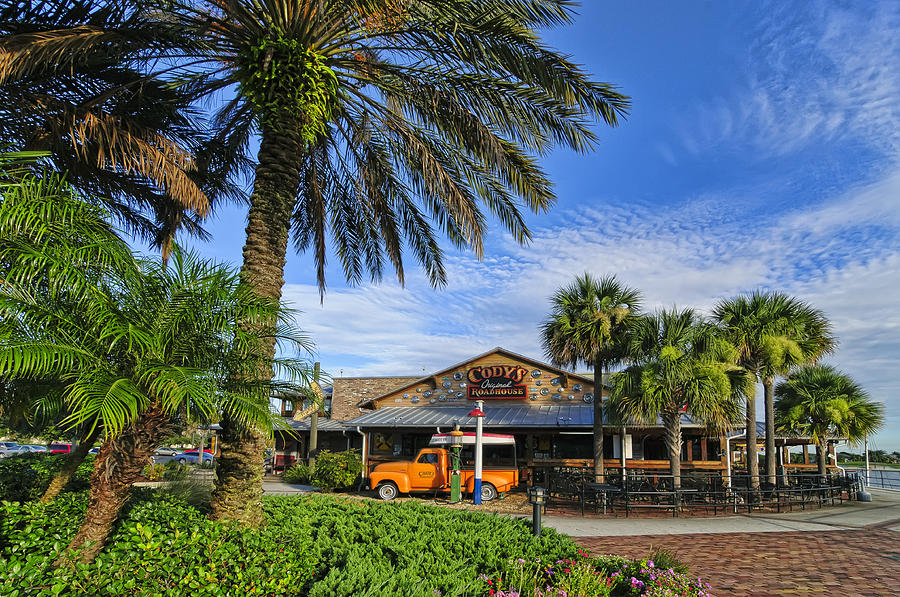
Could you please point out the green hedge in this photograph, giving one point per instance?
(333, 470)
(316, 545)
(162, 547)
(26, 476)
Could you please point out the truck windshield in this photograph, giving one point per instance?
(430, 458)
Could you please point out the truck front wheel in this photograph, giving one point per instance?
(488, 492)
(388, 490)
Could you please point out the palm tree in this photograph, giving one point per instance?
(127, 140)
(140, 347)
(819, 401)
(774, 333)
(377, 120)
(587, 323)
(680, 366)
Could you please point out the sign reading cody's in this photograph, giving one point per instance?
(497, 382)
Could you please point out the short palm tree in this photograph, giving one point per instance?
(820, 402)
(587, 324)
(774, 333)
(378, 120)
(140, 347)
(681, 366)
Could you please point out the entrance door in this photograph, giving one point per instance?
(426, 472)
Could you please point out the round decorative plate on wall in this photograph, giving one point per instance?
(545, 392)
(457, 376)
(588, 398)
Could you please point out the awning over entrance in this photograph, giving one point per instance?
(520, 416)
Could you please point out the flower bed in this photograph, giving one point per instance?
(585, 576)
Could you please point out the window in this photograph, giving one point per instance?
(429, 458)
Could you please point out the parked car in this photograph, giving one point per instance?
(35, 448)
(7, 445)
(14, 451)
(164, 455)
(94, 451)
(192, 456)
(60, 448)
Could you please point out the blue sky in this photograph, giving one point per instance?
(763, 151)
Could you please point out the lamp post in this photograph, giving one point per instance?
(478, 413)
(538, 498)
(455, 446)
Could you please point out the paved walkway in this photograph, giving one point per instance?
(849, 550)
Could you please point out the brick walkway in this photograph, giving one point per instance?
(862, 562)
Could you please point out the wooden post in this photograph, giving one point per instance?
(704, 451)
(805, 453)
(690, 450)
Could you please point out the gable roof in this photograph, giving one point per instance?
(497, 350)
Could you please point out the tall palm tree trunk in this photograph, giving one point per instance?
(771, 456)
(238, 484)
(73, 461)
(752, 458)
(598, 422)
(672, 422)
(119, 463)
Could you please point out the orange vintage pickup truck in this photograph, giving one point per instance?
(430, 470)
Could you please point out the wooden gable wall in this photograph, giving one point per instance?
(447, 388)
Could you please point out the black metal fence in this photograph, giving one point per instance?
(697, 493)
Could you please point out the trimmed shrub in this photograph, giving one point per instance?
(299, 473)
(26, 476)
(336, 470)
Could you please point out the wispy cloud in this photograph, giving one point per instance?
(813, 74)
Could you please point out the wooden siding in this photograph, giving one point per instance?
(444, 388)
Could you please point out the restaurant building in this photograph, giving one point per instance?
(547, 409)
